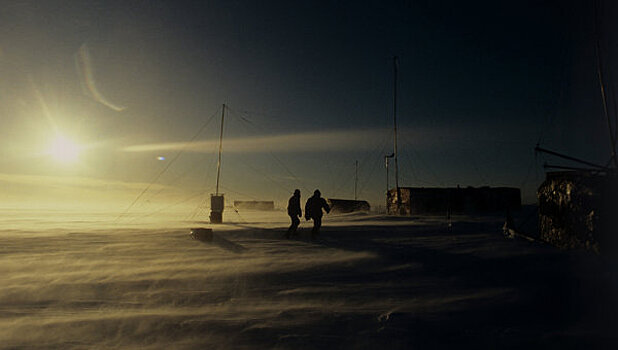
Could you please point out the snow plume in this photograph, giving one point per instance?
(136, 288)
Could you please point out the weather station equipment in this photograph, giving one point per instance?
(217, 201)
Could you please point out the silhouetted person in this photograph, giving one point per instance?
(313, 210)
(294, 212)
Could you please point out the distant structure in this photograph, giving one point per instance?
(455, 200)
(347, 206)
(578, 209)
(255, 205)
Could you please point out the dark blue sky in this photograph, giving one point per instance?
(480, 83)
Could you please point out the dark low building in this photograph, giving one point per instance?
(347, 205)
(456, 200)
(579, 209)
(255, 205)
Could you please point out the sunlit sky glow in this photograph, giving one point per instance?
(309, 90)
(64, 150)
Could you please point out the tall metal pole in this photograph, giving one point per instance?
(220, 146)
(355, 179)
(604, 98)
(395, 63)
(387, 192)
(602, 85)
(386, 159)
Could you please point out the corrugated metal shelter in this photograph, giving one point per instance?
(347, 205)
(456, 200)
(579, 209)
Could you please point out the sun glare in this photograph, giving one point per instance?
(64, 150)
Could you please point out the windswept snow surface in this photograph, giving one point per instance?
(75, 281)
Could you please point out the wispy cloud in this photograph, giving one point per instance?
(70, 181)
(72, 192)
(339, 140)
(420, 137)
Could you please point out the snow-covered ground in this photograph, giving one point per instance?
(75, 281)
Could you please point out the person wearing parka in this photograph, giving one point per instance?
(294, 212)
(313, 210)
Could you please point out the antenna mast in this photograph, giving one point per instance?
(605, 111)
(217, 202)
(355, 178)
(220, 146)
(395, 64)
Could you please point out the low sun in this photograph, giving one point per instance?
(64, 150)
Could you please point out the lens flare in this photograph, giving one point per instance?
(84, 65)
